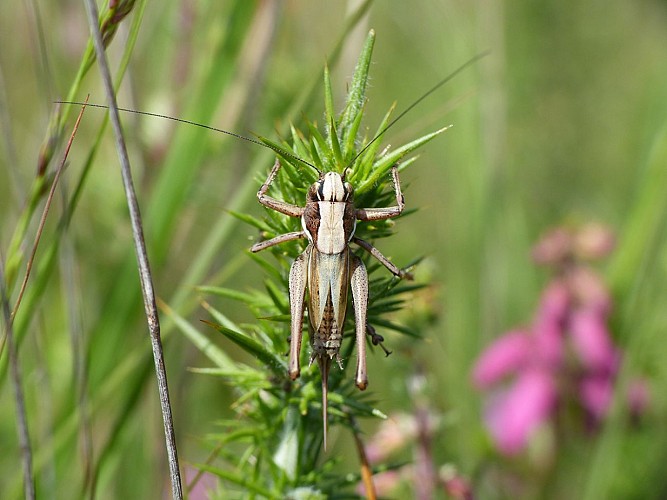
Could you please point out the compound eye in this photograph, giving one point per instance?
(349, 191)
(320, 190)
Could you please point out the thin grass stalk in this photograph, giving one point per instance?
(21, 417)
(40, 229)
(46, 265)
(140, 248)
(45, 213)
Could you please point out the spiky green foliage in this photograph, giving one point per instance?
(281, 420)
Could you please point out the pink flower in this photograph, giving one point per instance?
(592, 343)
(596, 392)
(554, 247)
(548, 326)
(589, 291)
(572, 316)
(554, 303)
(502, 358)
(514, 414)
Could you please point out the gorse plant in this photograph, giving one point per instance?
(280, 419)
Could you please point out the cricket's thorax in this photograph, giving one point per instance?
(329, 218)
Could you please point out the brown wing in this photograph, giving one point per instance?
(328, 285)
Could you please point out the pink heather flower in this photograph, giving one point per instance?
(592, 343)
(548, 344)
(507, 354)
(571, 317)
(595, 393)
(519, 410)
(591, 242)
(554, 303)
(553, 247)
(589, 290)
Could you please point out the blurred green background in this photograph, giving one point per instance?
(564, 122)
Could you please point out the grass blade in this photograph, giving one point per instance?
(142, 254)
(21, 416)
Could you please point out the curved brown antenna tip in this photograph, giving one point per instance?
(325, 364)
(424, 96)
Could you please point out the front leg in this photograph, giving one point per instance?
(277, 205)
(388, 212)
(281, 238)
(359, 285)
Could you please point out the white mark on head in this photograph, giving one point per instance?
(331, 187)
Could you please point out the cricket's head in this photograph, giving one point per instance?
(331, 186)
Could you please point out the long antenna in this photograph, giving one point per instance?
(287, 153)
(424, 96)
(208, 127)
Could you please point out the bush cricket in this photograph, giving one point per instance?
(328, 269)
